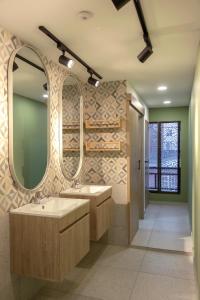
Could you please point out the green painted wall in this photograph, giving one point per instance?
(29, 140)
(174, 114)
(194, 155)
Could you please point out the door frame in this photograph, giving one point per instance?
(141, 119)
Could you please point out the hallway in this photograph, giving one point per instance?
(116, 273)
(166, 227)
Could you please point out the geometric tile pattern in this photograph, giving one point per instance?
(107, 102)
(71, 138)
(12, 196)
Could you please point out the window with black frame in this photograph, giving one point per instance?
(164, 157)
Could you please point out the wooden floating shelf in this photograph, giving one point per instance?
(95, 124)
(103, 146)
(71, 126)
(71, 149)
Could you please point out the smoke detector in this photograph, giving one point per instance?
(85, 15)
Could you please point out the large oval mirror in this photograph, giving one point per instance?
(28, 118)
(71, 128)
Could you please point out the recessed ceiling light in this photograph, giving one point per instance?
(162, 88)
(167, 102)
(45, 95)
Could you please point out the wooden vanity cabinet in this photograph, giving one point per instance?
(47, 247)
(100, 211)
(100, 220)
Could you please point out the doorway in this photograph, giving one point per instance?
(166, 224)
(136, 166)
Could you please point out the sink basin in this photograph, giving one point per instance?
(50, 207)
(87, 190)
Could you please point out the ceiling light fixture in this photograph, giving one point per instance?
(167, 102)
(62, 47)
(162, 88)
(119, 3)
(45, 95)
(45, 86)
(148, 50)
(15, 66)
(93, 81)
(144, 55)
(24, 59)
(66, 61)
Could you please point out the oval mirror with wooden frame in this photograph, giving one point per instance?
(71, 128)
(28, 118)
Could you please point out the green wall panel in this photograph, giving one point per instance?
(174, 114)
(29, 140)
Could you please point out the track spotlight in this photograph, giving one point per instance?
(119, 3)
(45, 86)
(15, 66)
(93, 81)
(145, 54)
(68, 62)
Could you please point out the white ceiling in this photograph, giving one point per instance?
(111, 40)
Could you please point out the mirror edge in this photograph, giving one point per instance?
(10, 119)
(78, 172)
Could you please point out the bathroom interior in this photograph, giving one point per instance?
(99, 150)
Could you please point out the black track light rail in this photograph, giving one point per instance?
(64, 48)
(30, 63)
(142, 22)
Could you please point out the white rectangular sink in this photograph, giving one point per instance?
(87, 190)
(50, 207)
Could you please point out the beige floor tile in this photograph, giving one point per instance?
(176, 265)
(122, 257)
(152, 212)
(71, 281)
(154, 287)
(48, 294)
(181, 226)
(173, 212)
(170, 241)
(141, 238)
(146, 224)
(96, 250)
(109, 283)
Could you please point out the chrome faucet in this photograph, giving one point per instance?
(76, 183)
(36, 199)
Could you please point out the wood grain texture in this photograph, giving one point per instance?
(102, 124)
(100, 217)
(103, 216)
(103, 146)
(36, 244)
(74, 245)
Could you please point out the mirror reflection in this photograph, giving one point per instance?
(29, 119)
(71, 128)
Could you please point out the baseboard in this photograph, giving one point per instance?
(167, 202)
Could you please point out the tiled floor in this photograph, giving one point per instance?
(165, 227)
(120, 273)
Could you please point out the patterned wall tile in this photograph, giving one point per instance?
(10, 195)
(107, 102)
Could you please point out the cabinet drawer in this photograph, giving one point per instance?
(74, 244)
(103, 217)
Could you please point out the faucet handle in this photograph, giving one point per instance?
(38, 194)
